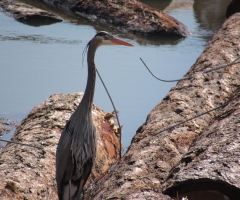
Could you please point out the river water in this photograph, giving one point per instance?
(37, 61)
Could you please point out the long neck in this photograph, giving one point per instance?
(87, 100)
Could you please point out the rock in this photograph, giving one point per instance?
(28, 14)
(155, 150)
(132, 16)
(29, 173)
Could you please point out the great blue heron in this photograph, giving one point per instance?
(77, 145)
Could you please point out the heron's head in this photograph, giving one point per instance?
(105, 38)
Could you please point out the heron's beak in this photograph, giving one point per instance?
(120, 42)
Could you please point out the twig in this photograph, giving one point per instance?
(222, 66)
(23, 144)
(120, 127)
(187, 78)
(175, 125)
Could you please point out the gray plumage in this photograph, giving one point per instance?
(76, 149)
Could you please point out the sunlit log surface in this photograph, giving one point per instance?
(153, 153)
(132, 16)
(29, 173)
(211, 167)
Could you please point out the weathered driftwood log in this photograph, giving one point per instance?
(29, 173)
(126, 15)
(154, 152)
(28, 14)
(211, 168)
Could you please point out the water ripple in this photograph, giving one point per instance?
(38, 39)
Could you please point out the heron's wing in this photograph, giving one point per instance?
(63, 153)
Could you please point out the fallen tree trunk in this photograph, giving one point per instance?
(29, 173)
(126, 15)
(156, 149)
(28, 14)
(210, 169)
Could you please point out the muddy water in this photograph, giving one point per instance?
(39, 61)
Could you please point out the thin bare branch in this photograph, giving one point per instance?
(115, 110)
(187, 78)
(187, 120)
(222, 66)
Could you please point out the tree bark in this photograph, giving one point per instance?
(211, 169)
(132, 16)
(156, 149)
(29, 173)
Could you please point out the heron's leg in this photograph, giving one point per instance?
(80, 191)
(69, 191)
(84, 177)
(70, 168)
